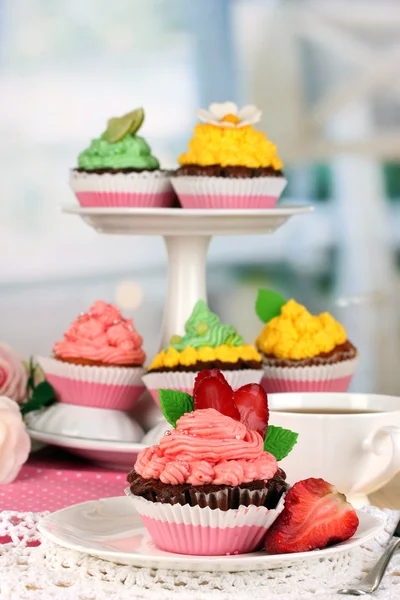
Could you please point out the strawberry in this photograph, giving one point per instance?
(211, 392)
(252, 403)
(316, 515)
(208, 373)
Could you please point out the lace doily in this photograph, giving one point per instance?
(29, 571)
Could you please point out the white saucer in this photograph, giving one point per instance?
(111, 529)
(85, 422)
(106, 453)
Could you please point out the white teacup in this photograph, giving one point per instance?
(350, 440)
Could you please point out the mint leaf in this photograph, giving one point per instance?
(175, 404)
(279, 441)
(268, 305)
(42, 395)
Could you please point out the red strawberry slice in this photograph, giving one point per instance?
(217, 394)
(208, 373)
(316, 515)
(252, 403)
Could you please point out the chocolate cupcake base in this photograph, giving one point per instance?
(340, 353)
(230, 172)
(224, 497)
(240, 365)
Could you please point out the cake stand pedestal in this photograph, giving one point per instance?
(187, 235)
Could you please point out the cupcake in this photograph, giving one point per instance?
(212, 485)
(302, 352)
(207, 344)
(229, 164)
(118, 169)
(99, 362)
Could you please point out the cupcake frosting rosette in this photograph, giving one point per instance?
(118, 169)
(99, 363)
(210, 487)
(207, 344)
(302, 352)
(229, 164)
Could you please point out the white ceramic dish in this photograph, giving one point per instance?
(85, 422)
(112, 530)
(106, 453)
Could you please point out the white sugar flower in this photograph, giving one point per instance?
(227, 114)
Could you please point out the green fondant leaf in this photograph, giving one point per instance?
(42, 395)
(175, 404)
(268, 305)
(279, 441)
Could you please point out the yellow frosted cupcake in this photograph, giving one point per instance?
(302, 352)
(207, 344)
(229, 164)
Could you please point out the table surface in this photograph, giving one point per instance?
(52, 480)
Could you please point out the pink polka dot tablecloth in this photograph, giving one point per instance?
(52, 482)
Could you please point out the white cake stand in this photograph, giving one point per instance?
(187, 235)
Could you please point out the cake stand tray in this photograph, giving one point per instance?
(187, 234)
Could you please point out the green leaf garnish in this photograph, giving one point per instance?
(42, 395)
(279, 442)
(268, 305)
(120, 127)
(174, 404)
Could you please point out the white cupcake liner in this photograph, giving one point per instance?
(147, 188)
(205, 531)
(334, 377)
(184, 380)
(223, 192)
(101, 387)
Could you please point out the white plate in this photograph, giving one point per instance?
(178, 221)
(111, 529)
(109, 454)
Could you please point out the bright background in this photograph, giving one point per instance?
(326, 77)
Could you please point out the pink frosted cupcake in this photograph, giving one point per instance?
(99, 362)
(118, 169)
(212, 486)
(302, 352)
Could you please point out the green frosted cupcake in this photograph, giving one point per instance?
(119, 170)
(207, 344)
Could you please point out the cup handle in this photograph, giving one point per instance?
(375, 443)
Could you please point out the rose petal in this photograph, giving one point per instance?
(14, 440)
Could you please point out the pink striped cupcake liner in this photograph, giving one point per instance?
(151, 189)
(319, 378)
(184, 381)
(205, 531)
(116, 388)
(225, 193)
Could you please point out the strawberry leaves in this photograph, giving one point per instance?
(279, 442)
(175, 404)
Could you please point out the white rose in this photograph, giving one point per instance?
(13, 376)
(15, 443)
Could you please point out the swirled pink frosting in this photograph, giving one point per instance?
(102, 335)
(207, 447)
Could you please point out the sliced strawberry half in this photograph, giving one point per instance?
(316, 515)
(252, 403)
(211, 392)
(208, 373)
